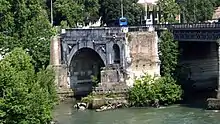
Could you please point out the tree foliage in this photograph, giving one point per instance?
(68, 10)
(170, 9)
(91, 11)
(111, 10)
(147, 90)
(25, 97)
(25, 24)
(216, 3)
(75, 12)
(169, 53)
(195, 11)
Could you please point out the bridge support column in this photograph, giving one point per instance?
(60, 69)
(218, 81)
(214, 103)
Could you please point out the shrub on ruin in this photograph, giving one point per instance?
(147, 90)
(25, 97)
(95, 81)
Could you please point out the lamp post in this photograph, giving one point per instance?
(145, 11)
(122, 13)
(51, 12)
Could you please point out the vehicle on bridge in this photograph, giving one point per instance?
(120, 22)
(123, 22)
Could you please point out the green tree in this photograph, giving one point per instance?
(68, 10)
(91, 11)
(170, 9)
(23, 99)
(216, 3)
(111, 10)
(147, 90)
(25, 24)
(168, 54)
(75, 12)
(195, 11)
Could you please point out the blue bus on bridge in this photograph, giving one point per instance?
(123, 22)
(120, 22)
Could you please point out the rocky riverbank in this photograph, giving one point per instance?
(103, 104)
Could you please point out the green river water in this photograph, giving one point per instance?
(177, 114)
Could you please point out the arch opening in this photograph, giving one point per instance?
(116, 50)
(85, 65)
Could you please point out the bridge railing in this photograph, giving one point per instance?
(175, 26)
(156, 26)
(195, 25)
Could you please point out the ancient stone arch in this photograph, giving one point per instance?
(100, 49)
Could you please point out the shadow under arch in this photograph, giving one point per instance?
(116, 50)
(84, 64)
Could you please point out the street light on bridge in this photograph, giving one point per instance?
(51, 12)
(122, 13)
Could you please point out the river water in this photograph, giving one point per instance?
(177, 114)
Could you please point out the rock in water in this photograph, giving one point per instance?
(82, 108)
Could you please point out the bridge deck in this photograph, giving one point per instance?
(201, 32)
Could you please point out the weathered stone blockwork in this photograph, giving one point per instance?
(143, 50)
(137, 54)
(112, 80)
(61, 78)
(98, 102)
(213, 104)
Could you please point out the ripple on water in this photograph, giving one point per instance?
(168, 115)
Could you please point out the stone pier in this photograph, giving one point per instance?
(61, 78)
(143, 53)
(214, 103)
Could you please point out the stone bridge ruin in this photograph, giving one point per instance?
(109, 54)
(115, 56)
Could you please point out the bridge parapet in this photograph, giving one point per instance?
(95, 34)
(189, 25)
(202, 32)
(178, 26)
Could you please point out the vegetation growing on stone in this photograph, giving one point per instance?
(147, 90)
(25, 97)
(95, 81)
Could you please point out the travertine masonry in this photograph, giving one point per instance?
(144, 55)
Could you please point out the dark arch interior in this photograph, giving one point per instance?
(116, 54)
(85, 63)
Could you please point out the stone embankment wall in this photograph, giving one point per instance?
(143, 52)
